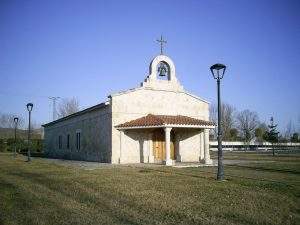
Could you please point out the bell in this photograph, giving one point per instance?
(162, 70)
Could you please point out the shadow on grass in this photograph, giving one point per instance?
(275, 185)
(258, 168)
(118, 206)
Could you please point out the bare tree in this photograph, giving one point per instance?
(261, 132)
(68, 106)
(247, 122)
(290, 129)
(7, 120)
(227, 120)
(213, 116)
(299, 123)
(36, 129)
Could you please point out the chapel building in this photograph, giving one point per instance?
(157, 122)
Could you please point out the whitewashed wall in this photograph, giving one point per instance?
(142, 101)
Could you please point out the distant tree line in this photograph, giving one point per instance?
(66, 107)
(7, 131)
(245, 126)
(21, 145)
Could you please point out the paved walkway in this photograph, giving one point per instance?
(96, 165)
(239, 162)
(215, 163)
(81, 164)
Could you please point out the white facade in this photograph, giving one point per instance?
(135, 144)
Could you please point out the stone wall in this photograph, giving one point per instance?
(95, 128)
(188, 145)
(135, 146)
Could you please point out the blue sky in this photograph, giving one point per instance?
(89, 49)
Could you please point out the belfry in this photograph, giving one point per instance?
(157, 122)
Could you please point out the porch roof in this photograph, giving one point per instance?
(151, 120)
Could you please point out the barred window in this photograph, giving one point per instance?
(60, 142)
(68, 141)
(78, 141)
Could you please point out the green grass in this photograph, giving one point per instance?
(282, 157)
(46, 193)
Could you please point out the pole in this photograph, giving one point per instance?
(220, 175)
(54, 112)
(28, 152)
(54, 109)
(15, 150)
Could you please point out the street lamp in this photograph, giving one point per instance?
(16, 119)
(29, 108)
(218, 71)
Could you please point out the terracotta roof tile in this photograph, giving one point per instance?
(160, 120)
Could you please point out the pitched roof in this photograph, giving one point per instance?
(99, 106)
(161, 120)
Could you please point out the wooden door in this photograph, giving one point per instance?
(159, 146)
(172, 146)
(172, 149)
(159, 150)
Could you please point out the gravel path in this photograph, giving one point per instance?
(95, 165)
(80, 164)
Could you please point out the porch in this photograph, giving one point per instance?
(166, 139)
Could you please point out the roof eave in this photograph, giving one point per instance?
(167, 125)
(99, 106)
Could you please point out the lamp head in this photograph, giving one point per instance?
(218, 70)
(29, 107)
(16, 119)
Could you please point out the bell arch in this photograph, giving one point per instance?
(163, 71)
(155, 63)
(152, 81)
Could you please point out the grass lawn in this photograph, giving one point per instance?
(45, 193)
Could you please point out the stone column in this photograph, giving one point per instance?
(177, 147)
(207, 159)
(202, 145)
(169, 161)
(150, 148)
(121, 145)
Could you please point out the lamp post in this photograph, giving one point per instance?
(16, 119)
(29, 108)
(218, 71)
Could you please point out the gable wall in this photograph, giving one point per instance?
(138, 103)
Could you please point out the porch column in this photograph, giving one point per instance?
(169, 161)
(121, 145)
(177, 147)
(201, 145)
(206, 147)
(150, 149)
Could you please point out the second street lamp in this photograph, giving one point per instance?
(16, 119)
(218, 71)
(29, 108)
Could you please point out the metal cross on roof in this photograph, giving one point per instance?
(162, 42)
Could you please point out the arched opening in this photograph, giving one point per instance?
(163, 71)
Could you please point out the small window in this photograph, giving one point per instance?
(60, 142)
(68, 141)
(78, 140)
